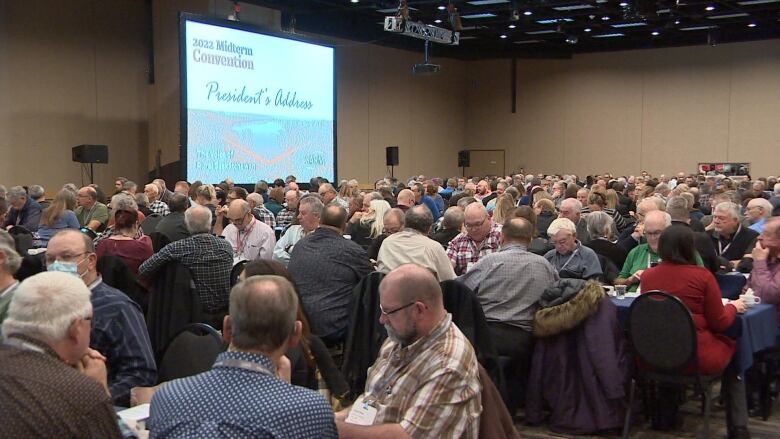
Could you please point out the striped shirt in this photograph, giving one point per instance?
(431, 387)
(119, 333)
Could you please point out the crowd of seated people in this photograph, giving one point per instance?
(508, 239)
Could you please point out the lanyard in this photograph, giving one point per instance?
(650, 259)
(241, 244)
(246, 365)
(21, 344)
(568, 260)
(721, 249)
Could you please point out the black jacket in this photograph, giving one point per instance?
(365, 335)
(173, 304)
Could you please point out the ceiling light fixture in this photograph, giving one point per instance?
(709, 8)
(752, 25)
(441, 7)
(512, 26)
(437, 21)
(503, 37)
(655, 33)
(587, 29)
(623, 4)
(605, 18)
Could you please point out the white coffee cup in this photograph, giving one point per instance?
(750, 299)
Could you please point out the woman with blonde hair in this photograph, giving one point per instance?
(58, 216)
(504, 205)
(544, 208)
(364, 227)
(612, 199)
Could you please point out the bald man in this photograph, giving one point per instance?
(630, 238)
(433, 391)
(406, 200)
(250, 238)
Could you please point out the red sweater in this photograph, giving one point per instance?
(132, 251)
(699, 291)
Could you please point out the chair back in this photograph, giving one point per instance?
(730, 285)
(236, 271)
(661, 332)
(159, 240)
(190, 352)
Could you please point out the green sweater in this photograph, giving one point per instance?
(640, 258)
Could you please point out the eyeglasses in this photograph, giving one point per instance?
(50, 259)
(473, 226)
(387, 313)
(560, 241)
(238, 221)
(654, 234)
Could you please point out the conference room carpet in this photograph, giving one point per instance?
(692, 422)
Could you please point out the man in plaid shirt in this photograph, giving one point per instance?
(425, 380)
(260, 212)
(155, 205)
(286, 216)
(482, 237)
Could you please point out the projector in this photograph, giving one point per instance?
(425, 69)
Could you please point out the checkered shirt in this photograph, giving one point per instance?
(433, 389)
(159, 208)
(285, 217)
(262, 213)
(210, 260)
(463, 251)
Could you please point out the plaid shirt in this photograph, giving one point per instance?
(285, 217)
(462, 250)
(261, 213)
(431, 387)
(210, 260)
(159, 208)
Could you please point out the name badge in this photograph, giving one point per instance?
(361, 413)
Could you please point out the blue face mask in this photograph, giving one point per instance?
(65, 267)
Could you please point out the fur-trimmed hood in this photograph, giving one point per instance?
(560, 317)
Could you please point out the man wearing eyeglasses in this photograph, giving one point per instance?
(645, 255)
(250, 238)
(53, 384)
(482, 237)
(765, 277)
(425, 380)
(118, 329)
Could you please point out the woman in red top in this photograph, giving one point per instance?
(122, 244)
(697, 288)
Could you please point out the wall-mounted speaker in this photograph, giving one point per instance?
(90, 153)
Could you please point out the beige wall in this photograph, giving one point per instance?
(70, 73)
(662, 110)
(74, 72)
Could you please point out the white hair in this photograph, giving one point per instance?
(197, 219)
(777, 188)
(573, 203)
(46, 304)
(728, 207)
(559, 224)
(12, 259)
(765, 205)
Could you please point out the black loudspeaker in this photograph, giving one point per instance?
(90, 154)
(392, 155)
(464, 158)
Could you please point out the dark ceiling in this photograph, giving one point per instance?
(542, 28)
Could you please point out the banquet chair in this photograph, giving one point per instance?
(730, 285)
(663, 339)
(190, 352)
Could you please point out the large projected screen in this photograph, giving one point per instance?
(254, 106)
